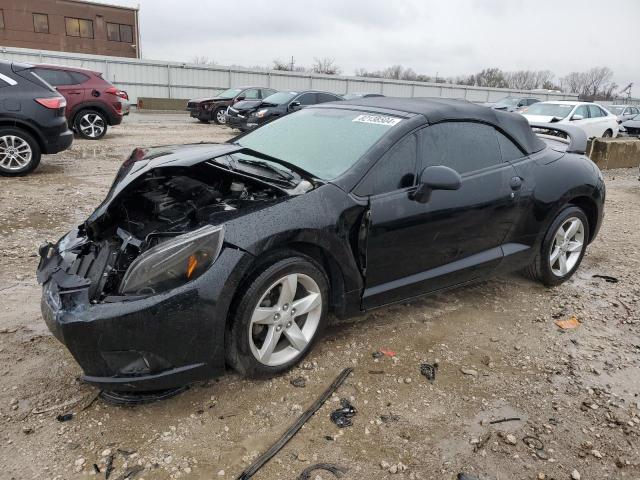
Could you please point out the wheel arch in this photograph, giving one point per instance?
(88, 106)
(590, 209)
(13, 123)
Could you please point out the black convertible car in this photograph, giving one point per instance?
(209, 255)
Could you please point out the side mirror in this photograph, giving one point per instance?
(294, 106)
(577, 117)
(437, 177)
(240, 98)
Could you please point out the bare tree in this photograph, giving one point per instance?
(280, 65)
(597, 79)
(490, 77)
(202, 60)
(325, 65)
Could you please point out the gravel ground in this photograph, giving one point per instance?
(499, 352)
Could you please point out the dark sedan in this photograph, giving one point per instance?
(209, 255)
(282, 103)
(214, 108)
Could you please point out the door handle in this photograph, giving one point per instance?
(515, 183)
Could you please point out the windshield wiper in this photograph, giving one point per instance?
(262, 164)
(294, 168)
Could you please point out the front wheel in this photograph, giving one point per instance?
(607, 134)
(91, 124)
(563, 248)
(278, 318)
(220, 115)
(19, 152)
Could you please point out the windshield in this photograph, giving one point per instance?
(615, 110)
(279, 98)
(510, 101)
(228, 94)
(325, 142)
(549, 109)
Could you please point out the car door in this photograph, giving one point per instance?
(327, 97)
(456, 237)
(67, 84)
(585, 121)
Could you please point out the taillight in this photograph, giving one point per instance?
(117, 93)
(53, 103)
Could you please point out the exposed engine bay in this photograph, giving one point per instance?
(159, 206)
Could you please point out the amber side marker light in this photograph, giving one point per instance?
(192, 263)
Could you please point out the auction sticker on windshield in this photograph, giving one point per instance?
(377, 119)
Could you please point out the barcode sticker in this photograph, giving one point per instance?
(377, 119)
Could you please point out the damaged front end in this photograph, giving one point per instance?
(139, 293)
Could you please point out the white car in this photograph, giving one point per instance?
(591, 117)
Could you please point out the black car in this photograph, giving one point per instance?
(214, 108)
(237, 114)
(32, 120)
(280, 104)
(209, 255)
(356, 95)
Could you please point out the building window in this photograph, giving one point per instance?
(120, 33)
(78, 27)
(40, 23)
(1, 19)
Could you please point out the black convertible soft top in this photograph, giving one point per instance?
(437, 110)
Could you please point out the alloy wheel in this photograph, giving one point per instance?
(567, 246)
(285, 319)
(221, 116)
(15, 152)
(91, 125)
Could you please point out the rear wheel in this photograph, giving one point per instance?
(607, 134)
(19, 152)
(90, 124)
(278, 318)
(220, 115)
(562, 249)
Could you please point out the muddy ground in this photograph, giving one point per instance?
(577, 391)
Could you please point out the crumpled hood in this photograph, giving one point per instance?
(540, 118)
(245, 105)
(143, 160)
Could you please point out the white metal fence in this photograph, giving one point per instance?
(150, 78)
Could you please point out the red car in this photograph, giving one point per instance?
(92, 102)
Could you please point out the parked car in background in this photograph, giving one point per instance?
(32, 120)
(282, 103)
(236, 115)
(624, 112)
(211, 255)
(591, 117)
(356, 95)
(93, 103)
(215, 108)
(630, 128)
(512, 104)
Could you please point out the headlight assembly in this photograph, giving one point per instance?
(261, 113)
(173, 262)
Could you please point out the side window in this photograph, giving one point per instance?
(594, 111)
(265, 92)
(326, 97)
(251, 94)
(582, 110)
(508, 149)
(307, 99)
(463, 146)
(634, 111)
(55, 77)
(394, 171)
(78, 77)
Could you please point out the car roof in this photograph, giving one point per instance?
(568, 102)
(66, 67)
(437, 110)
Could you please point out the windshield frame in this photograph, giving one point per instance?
(237, 90)
(291, 94)
(571, 108)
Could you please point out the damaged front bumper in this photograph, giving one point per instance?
(140, 343)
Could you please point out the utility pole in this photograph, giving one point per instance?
(292, 63)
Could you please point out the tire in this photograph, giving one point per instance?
(265, 312)
(90, 124)
(552, 272)
(607, 134)
(19, 152)
(220, 115)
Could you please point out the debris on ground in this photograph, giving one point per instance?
(288, 435)
(569, 323)
(343, 415)
(130, 473)
(503, 420)
(466, 476)
(469, 371)
(606, 278)
(298, 382)
(64, 417)
(429, 370)
(383, 353)
(336, 470)
(480, 443)
(108, 467)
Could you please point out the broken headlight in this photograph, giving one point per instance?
(173, 262)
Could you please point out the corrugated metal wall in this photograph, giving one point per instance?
(148, 78)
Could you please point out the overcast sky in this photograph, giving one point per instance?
(451, 37)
